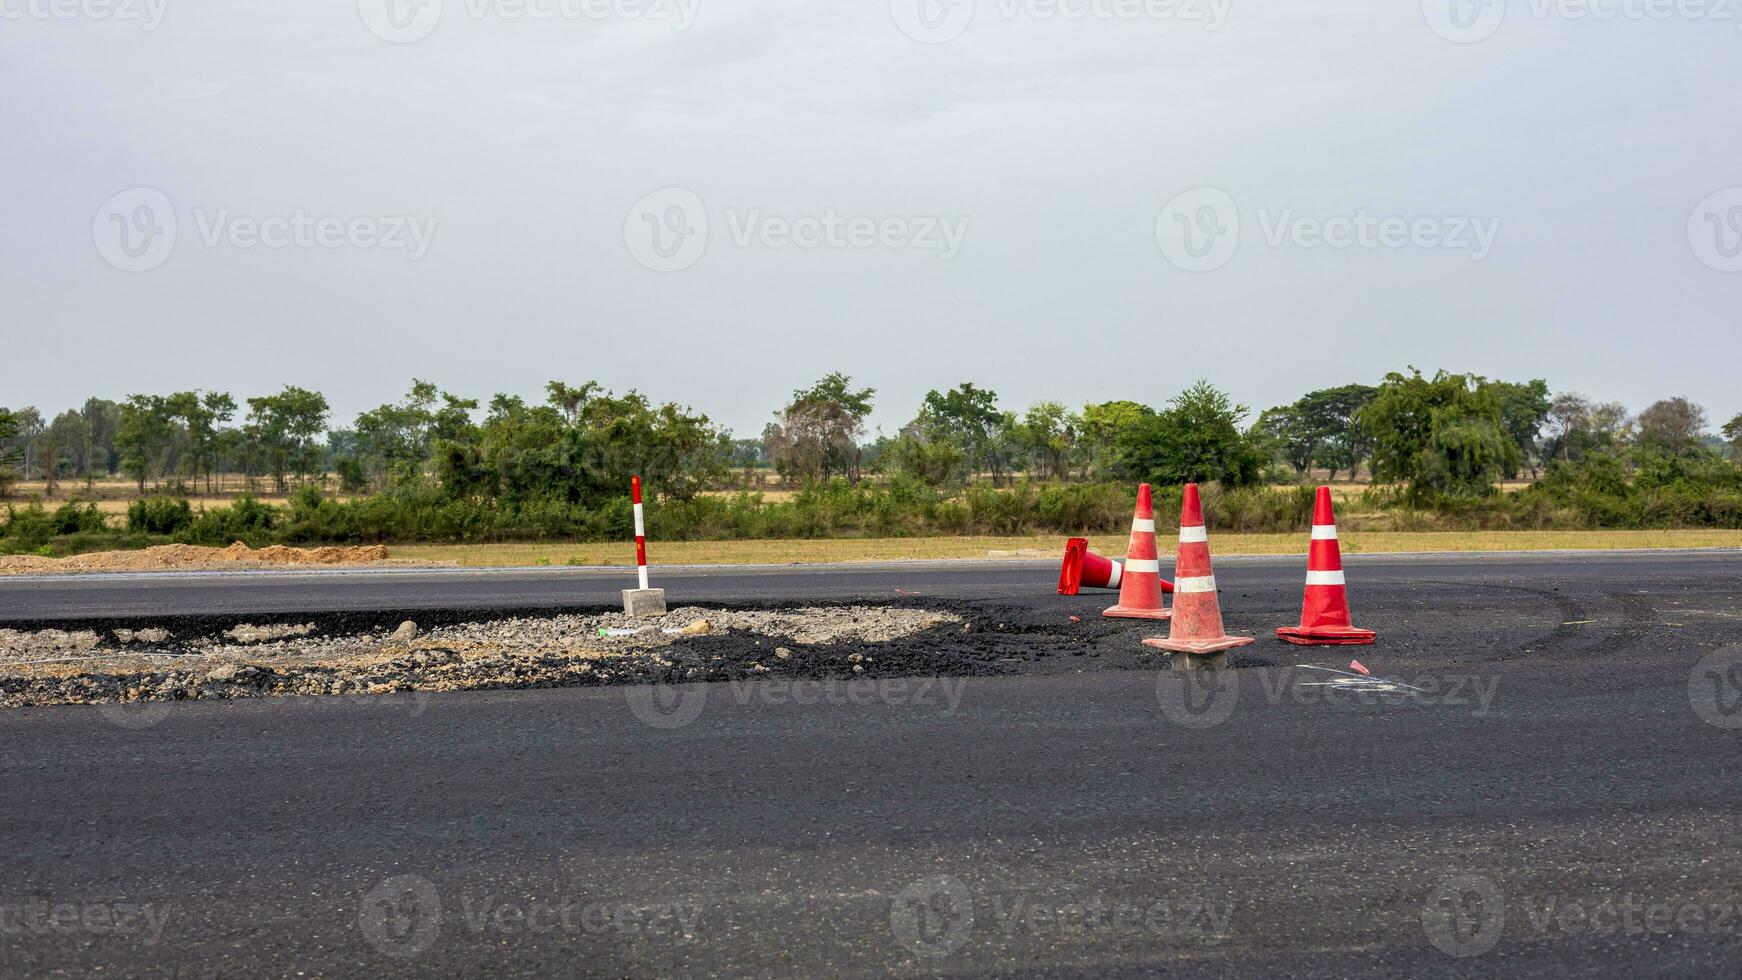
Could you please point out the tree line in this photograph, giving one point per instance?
(1440, 436)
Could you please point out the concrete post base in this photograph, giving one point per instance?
(1194, 661)
(644, 602)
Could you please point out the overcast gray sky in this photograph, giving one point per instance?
(717, 202)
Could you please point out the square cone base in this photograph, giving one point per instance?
(1199, 647)
(1327, 636)
(1122, 612)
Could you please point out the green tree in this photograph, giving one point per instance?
(28, 429)
(1282, 432)
(581, 447)
(102, 419)
(1569, 415)
(392, 443)
(284, 428)
(1444, 436)
(1322, 428)
(9, 456)
(1196, 439)
(1733, 433)
(930, 457)
(1098, 432)
(69, 439)
(1524, 410)
(819, 431)
(145, 437)
(200, 419)
(1048, 434)
(1673, 426)
(1334, 415)
(969, 417)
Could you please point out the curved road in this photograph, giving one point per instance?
(1558, 792)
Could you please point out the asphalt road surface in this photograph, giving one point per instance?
(1557, 791)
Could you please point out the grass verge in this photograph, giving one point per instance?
(887, 549)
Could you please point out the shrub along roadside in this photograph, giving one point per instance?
(1598, 493)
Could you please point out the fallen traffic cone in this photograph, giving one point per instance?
(1324, 614)
(1197, 612)
(1085, 569)
(1140, 586)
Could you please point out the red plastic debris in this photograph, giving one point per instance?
(1359, 668)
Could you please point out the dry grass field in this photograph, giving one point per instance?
(112, 496)
(892, 549)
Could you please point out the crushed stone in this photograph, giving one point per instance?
(252, 660)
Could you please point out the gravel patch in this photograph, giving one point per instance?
(249, 633)
(251, 660)
(18, 646)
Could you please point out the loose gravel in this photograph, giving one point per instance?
(249, 660)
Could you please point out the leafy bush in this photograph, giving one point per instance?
(159, 515)
(77, 518)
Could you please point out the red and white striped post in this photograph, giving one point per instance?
(640, 532)
(643, 601)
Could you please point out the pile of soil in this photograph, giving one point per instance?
(187, 557)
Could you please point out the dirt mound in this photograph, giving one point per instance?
(187, 557)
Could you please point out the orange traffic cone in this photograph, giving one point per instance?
(1324, 614)
(1140, 587)
(1197, 613)
(1085, 569)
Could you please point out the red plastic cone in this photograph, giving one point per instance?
(1083, 569)
(1197, 612)
(1324, 614)
(1140, 588)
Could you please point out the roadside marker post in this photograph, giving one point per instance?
(643, 601)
